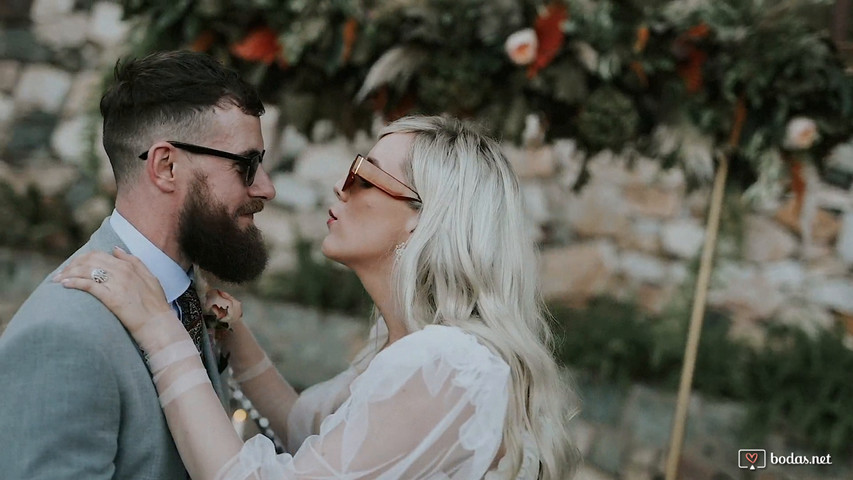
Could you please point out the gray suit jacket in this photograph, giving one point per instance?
(76, 399)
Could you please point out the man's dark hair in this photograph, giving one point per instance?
(166, 93)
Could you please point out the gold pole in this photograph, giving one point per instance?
(696, 317)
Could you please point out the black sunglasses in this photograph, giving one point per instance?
(250, 162)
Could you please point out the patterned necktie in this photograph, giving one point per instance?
(191, 317)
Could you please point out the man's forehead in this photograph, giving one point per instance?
(234, 123)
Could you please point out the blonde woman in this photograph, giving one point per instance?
(458, 382)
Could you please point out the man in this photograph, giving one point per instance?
(184, 140)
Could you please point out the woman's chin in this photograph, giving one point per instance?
(328, 250)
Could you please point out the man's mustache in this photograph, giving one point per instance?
(250, 208)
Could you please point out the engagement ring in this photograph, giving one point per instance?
(99, 275)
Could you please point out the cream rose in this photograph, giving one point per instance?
(521, 46)
(800, 134)
(222, 310)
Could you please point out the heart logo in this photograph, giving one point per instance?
(752, 457)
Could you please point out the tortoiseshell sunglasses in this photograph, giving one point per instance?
(380, 179)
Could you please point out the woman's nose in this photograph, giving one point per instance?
(338, 188)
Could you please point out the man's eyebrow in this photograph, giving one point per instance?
(249, 152)
(372, 160)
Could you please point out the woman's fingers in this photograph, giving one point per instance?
(106, 273)
(102, 291)
(127, 282)
(225, 302)
(84, 264)
(121, 282)
(122, 266)
(84, 284)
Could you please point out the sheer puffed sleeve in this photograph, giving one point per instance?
(319, 401)
(314, 405)
(431, 405)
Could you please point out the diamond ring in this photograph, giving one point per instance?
(99, 275)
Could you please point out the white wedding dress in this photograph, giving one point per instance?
(429, 406)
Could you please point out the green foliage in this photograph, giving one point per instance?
(796, 384)
(803, 384)
(610, 340)
(609, 119)
(619, 342)
(318, 283)
(648, 63)
(777, 79)
(33, 221)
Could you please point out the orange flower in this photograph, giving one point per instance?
(798, 185)
(642, 39)
(692, 57)
(691, 70)
(203, 42)
(260, 45)
(350, 33)
(638, 69)
(550, 36)
(698, 32)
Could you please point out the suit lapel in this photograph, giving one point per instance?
(104, 239)
(211, 364)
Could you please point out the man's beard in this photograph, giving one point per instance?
(211, 238)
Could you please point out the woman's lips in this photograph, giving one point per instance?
(332, 217)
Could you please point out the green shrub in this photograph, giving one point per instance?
(619, 342)
(796, 384)
(802, 384)
(646, 63)
(34, 221)
(318, 283)
(609, 340)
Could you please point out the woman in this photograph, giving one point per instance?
(459, 382)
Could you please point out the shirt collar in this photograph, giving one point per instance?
(172, 277)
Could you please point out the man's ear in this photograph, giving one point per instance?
(160, 166)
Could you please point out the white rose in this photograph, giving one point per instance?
(521, 46)
(800, 134)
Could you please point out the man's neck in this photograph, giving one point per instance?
(161, 229)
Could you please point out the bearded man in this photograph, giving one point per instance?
(183, 137)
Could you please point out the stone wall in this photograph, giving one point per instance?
(634, 232)
(637, 232)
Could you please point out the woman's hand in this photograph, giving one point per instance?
(124, 285)
(226, 309)
(222, 313)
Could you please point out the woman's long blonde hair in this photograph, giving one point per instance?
(471, 263)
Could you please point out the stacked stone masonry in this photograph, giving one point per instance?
(634, 231)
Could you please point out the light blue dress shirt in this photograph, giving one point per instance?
(171, 276)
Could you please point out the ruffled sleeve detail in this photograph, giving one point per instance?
(431, 405)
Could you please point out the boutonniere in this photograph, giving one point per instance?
(218, 317)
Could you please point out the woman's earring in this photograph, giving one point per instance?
(398, 250)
